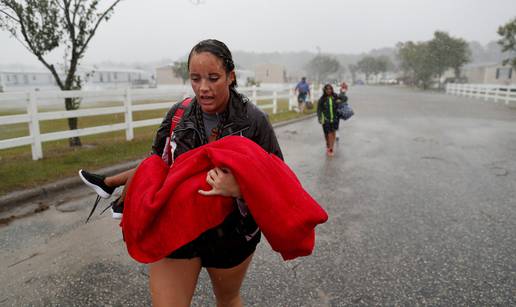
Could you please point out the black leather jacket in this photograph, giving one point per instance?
(244, 119)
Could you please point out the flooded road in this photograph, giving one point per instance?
(421, 197)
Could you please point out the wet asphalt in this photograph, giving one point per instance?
(421, 197)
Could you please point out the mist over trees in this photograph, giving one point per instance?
(46, 26)
(508, 41)
(296, 62)
(321, 66)
(371, 65)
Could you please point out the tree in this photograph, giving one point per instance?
(416, 63)
(383, 64)
(47, 25)
(508, 41)
(180, 70)
(321, 66)
(341, 72)
(368, 66)
(447, 52)
(353, 68)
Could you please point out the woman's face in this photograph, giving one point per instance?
(210, 82)
(328, 90)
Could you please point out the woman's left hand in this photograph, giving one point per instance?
(222, 182)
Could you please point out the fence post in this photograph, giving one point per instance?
(291, 99)
(312, 92)
(497, 92)
(274, 102)
(486, 94)
(254, 95)
(129, 133)
(32, 110)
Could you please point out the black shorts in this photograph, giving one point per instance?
(301, 98)
(330, 127)
(224, 246)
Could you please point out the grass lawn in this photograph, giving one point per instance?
(18, 170)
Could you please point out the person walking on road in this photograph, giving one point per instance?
(303, 92)
(327, 117)
(217, 110)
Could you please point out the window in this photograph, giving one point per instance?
(504, 73)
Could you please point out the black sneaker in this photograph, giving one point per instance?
(96, 182)
(117, 208)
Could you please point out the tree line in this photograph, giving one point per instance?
(417, 63)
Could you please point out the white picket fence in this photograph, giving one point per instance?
(483, 91)
(33, 116)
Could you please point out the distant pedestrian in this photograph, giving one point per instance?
(343, 87)
(303, 91)
(327, 116)
(343, 99)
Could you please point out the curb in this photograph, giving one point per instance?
(13, 199)
(295, 120)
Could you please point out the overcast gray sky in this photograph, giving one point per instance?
(155, 29)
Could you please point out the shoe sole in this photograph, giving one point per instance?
(115, 215)
(97, 189)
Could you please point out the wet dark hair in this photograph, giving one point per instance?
(327, 86)
(218, 49)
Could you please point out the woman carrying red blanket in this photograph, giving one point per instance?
(216, 111)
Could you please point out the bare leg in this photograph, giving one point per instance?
(119, 179)
(128, 175)
(172, 281)
(326, 138)
(331, 141)
(227, 282)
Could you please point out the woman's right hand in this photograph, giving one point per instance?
(223, 183)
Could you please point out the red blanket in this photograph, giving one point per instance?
(163, 210)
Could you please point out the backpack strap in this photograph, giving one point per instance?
(168, 151)
(178, 115)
